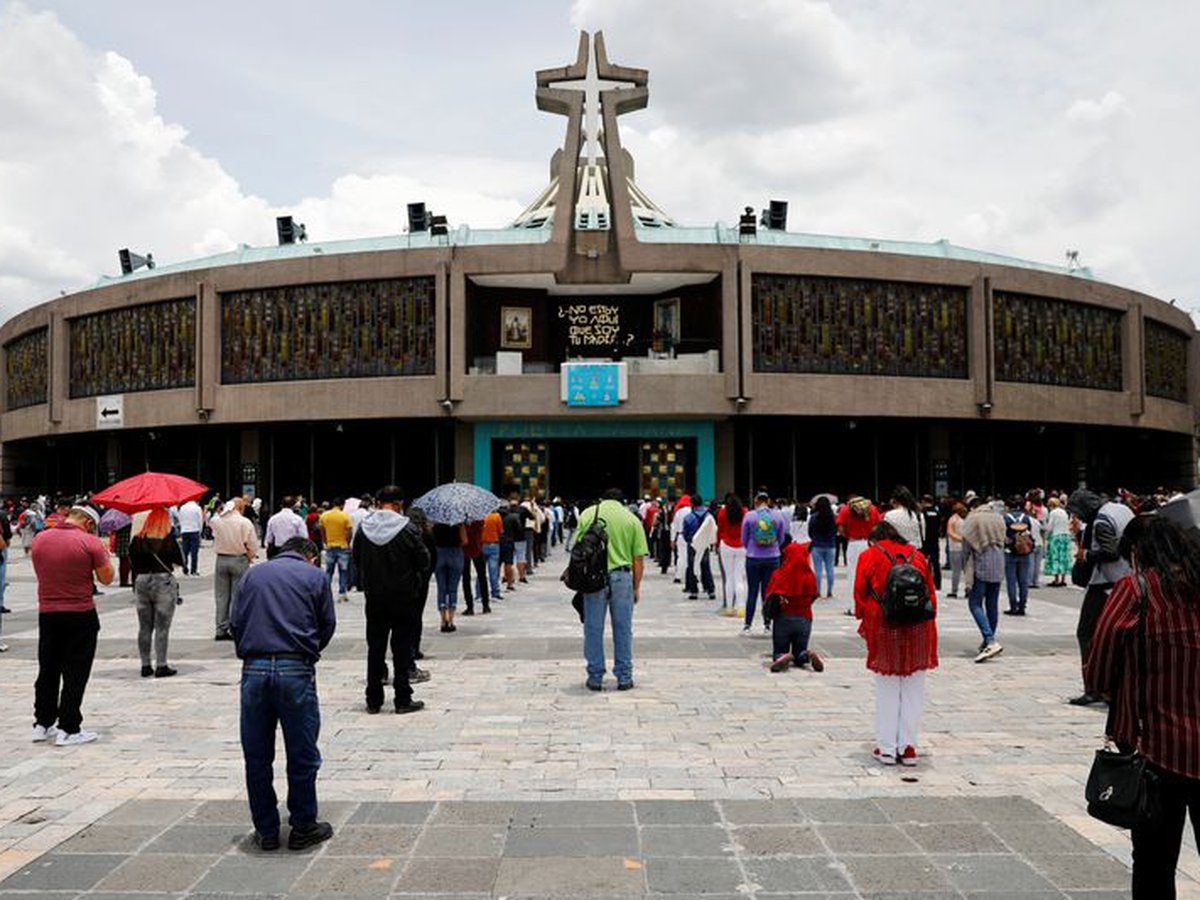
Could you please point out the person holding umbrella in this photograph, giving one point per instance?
(153, 555)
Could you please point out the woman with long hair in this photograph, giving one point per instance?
(732, 554)
(905, 516)
(1166, 564)
(153, 555)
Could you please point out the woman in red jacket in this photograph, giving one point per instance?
(795, 584)
(899, 655)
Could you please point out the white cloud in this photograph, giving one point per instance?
(1008, 128)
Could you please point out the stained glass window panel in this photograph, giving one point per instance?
(1039, 340)
(137, 348)
(27, 363)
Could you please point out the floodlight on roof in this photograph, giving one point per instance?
(776, 215)
(438, 226)
(748, 223)
(132, 261)
(290, 231)
(418, 217)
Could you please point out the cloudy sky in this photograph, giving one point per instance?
(1019, 127)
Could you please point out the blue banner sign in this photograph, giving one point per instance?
(593, 384)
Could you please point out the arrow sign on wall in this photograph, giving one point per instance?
(110, 411)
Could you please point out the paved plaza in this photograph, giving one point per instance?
(712, 777)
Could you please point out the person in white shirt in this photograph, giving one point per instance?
(283, 525)
(191, 523)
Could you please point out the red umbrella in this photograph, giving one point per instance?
(150, 490)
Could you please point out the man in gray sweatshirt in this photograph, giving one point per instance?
(391, 560)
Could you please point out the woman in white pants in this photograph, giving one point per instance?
(732, 553)
(898, 654)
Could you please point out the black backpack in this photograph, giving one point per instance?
(905, 597)
(587, 571)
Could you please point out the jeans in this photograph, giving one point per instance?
(617, 600)
(191, 552)
(338, 558)
(1156, 843)
(987, 621)
(283, 692)
(823, 561)
(789, 634)
(1017, 572)
(758, 573)
(155, 594)
(391, 621)
(479, 564)
(706, 578)
(491, 553)
(66, 648)
(447, 570)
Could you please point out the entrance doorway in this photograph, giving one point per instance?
(583, 468)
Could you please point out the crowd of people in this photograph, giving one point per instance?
(775, 560)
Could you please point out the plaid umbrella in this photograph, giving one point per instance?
(457, 501)
(113, 520)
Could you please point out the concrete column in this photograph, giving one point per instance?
(1133, 367)
(58, 365)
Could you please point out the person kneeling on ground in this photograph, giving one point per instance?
(790, 595)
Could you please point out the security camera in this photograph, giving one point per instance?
(447, 404)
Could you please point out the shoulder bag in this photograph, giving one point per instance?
(1121, 790)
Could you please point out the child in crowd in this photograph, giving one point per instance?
(790, 594)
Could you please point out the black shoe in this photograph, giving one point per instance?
(373, 709)
(411, 706)
(147, 671)
(418, 655)
(4, 609)
(224, 636)
(266, 842)
(595, 686)
(469, 611)
(450, 626)
(314, 834)
(417, 676)
(1085, 699)
(487, 610)
(164, 672)
(625, 686)
(1011, 612)
(693, 597)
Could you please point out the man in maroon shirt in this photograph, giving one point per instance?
(65, 559)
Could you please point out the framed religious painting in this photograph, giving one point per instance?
(516, 329)
(666, 322)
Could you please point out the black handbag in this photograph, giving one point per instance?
(1121, 789)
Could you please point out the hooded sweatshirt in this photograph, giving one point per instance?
(391, 557)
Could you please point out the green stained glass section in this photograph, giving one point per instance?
(853, 326)
(27, 364)
(149, 347)
(343, 330)
(1166, 355)
(1038, 340)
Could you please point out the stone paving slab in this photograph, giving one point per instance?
(769, 848)
(712, 778)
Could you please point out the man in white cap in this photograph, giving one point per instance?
(65, 559)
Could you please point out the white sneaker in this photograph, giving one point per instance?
(3, 647)
(79, 737)
(43, 733)
(992, 649)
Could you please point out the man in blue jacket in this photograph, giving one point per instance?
(282, 618)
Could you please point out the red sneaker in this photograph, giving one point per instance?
(909, 756)
(887, 759)
(781, 662)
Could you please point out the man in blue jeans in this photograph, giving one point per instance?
(626, 554)
(282, 618)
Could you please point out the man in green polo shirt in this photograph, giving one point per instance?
(626, 551)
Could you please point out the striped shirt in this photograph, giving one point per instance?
(1172, 694)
